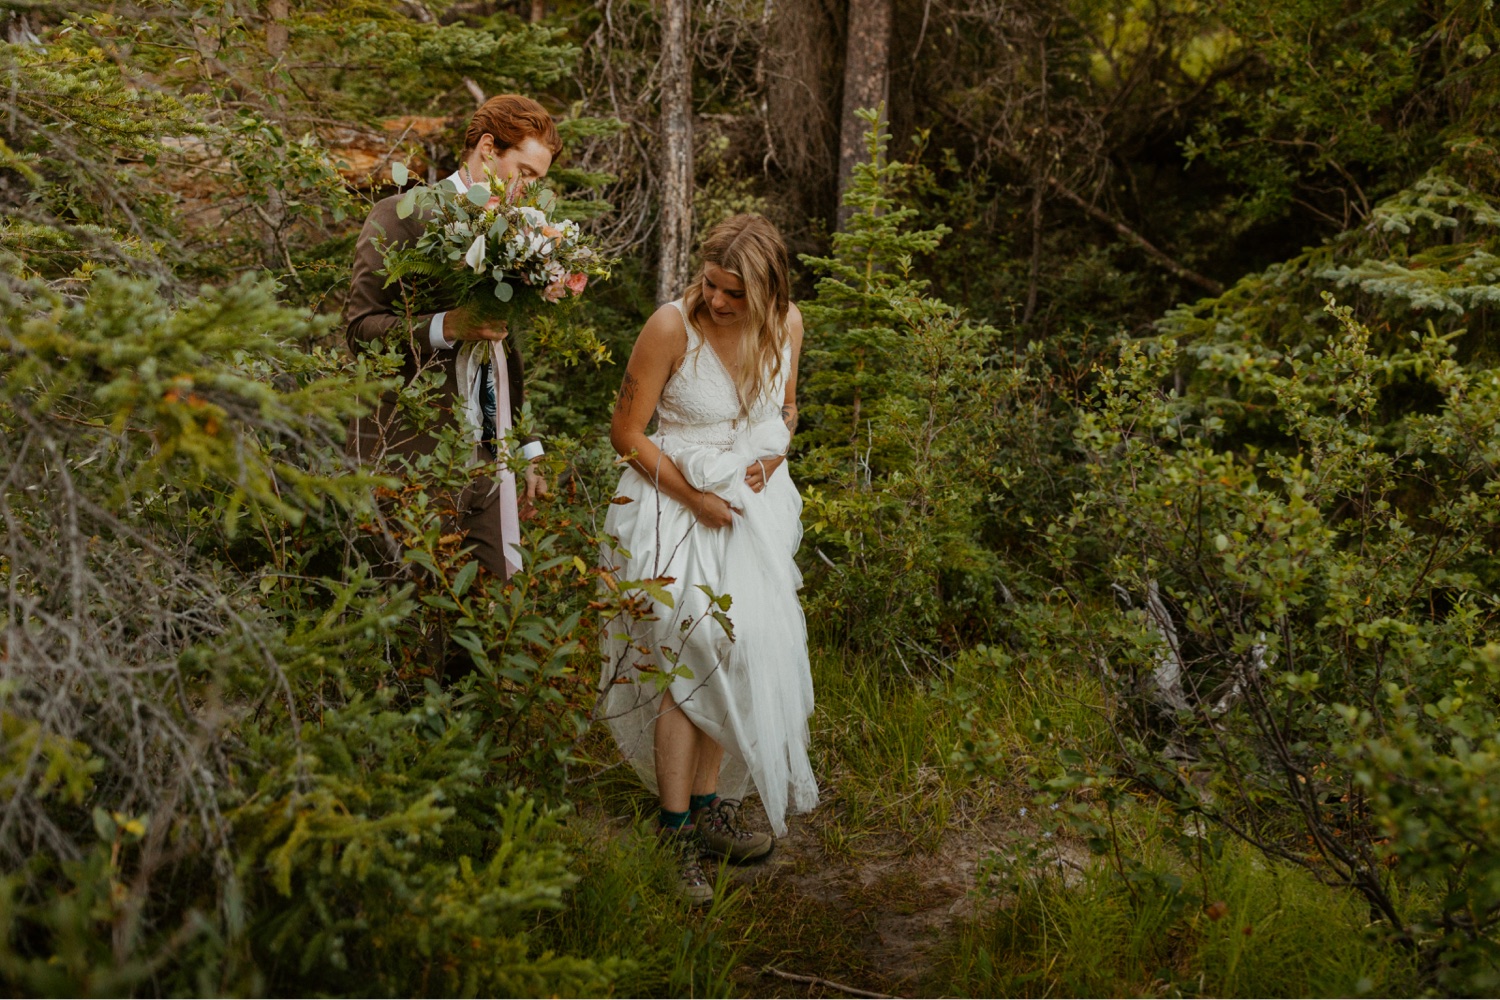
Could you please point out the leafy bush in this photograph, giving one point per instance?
(1301, 649)
(219, 775)
(914, 429)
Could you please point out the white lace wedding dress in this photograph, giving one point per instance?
(751, 692)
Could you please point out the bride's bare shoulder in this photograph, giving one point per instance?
(794, 324)
(664, 333)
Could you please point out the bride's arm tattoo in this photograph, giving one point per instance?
(628, 389)
(789, 417)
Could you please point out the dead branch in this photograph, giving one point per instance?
(826, 983)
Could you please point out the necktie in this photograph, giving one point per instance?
(487, 408)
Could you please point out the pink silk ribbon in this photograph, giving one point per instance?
(507, 509)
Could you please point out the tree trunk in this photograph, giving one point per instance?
(677, 151)
(538, 11)
(867, 76)
(276, 30)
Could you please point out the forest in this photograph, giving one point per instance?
(1149, 451)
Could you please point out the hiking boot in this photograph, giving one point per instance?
(723, 838)
(693, 883)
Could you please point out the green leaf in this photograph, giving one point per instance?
(498, 227)
(407, 204)
(465, 577)
(399, 173)
(104, 826)
(478, 195)
(504, 292)
(658, 593)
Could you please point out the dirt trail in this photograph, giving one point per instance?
(878, 922)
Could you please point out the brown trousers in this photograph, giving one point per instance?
(479, 520)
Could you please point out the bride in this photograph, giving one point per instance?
(707, 696)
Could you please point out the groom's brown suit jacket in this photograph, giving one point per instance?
(376, 312)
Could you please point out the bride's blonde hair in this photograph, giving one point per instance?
(750, 248)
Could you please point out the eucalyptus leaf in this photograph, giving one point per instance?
(503, 291)
(399, 173)
(478, 195)
(546, 200)
(498, 229)
(407, 204)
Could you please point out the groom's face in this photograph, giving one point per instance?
(522, 164)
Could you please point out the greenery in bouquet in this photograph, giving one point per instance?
(496, 246)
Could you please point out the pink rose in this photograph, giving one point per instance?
(554, 291)
(493, 203)
(576, 283)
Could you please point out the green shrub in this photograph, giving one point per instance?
(1299, 651)
(915, 429)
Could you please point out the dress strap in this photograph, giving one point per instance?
(687, 324)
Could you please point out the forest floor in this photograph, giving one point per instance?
(874, 888)
(881, 921)
(883, 889)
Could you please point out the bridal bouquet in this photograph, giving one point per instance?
(487, 245)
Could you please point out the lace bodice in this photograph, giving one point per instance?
(699, 403)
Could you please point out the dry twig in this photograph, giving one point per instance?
(827, 983)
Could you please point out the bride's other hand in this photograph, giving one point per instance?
(757, 473)
(713, 511)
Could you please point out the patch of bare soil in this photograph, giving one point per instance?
(878, 921)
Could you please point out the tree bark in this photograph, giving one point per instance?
(538, 11)
(677, 152)
(867, 77)
(277, 35)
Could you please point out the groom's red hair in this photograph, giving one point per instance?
(512, 119)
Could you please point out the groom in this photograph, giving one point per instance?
(513, 138)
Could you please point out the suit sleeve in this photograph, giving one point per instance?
(373, 309)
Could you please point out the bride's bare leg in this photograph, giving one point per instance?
(710, 756)
(677, 743)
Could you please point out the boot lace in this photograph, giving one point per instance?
(721, 816)
(689, 849)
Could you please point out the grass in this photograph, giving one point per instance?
(917, 777)
(625, 906)
(1266, 930)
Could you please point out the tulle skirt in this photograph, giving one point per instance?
(743, 676)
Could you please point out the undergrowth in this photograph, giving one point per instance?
(918, 769)
(1065, 929)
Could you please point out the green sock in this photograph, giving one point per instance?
(669, 820)
(697, 802)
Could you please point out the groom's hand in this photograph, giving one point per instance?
(536, 483)
(465, 323)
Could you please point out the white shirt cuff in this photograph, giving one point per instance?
(532, 450)
(435, 334)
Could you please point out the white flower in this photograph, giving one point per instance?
(475, 257)
(533, 216)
